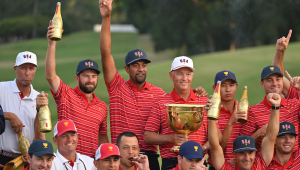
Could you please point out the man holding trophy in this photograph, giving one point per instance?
(181, 74)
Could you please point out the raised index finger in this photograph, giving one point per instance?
(288, 75)
(203, 159)
(289, 35)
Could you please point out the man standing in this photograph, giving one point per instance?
(157, 130)
(244, 149)
(272, 82)
(18, 101)
(190, 157)
(79, 104)
(229, 126)
(285, 157)
(66, 139)
(108, 158)
(40, 155)
(130, 101)
(128, 144)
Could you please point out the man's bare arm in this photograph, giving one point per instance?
(102, 139)
(108, 63)
(267, 149)
(281, 46)
(50, 73)
(157, 139)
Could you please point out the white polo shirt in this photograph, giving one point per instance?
(82, 163)
(25, 109)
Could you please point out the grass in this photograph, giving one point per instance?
(246, 63)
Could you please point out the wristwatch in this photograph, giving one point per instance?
(276, 107)
(205, 149)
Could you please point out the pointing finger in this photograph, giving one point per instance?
(289, 35)
(288, 75)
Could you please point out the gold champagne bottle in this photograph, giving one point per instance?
(214, 111)
(244, 105)
(57, 23)
(45, 118)
(23, 144)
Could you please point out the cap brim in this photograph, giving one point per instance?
(64, 131)
(148, 61)
(176, 68)
(193, 156)
(41, 153)
(245, 149)
(287, 132)
(27, 63)
(98, 72)
(273, 73)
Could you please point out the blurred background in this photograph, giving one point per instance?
(236, 35)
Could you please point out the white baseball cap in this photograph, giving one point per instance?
(26, 57)
(182, 61)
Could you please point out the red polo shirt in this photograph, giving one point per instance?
(157, 121)
(259, 164)
(224, 117)
(293, 93)
(130, 108)
(176, 168)
(27, 168)
(259, 115)
(293, 163)
(89, 118)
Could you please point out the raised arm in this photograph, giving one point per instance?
(281, 46)
(216, 151)
(108, 63)
(267, 149)
(50, 73)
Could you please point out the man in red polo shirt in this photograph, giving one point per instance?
(285, 157)
(182, 75)
(272, 82)
(79, 104)
(244, 151)
(229, 115)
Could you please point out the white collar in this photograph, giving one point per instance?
(64, 160)
(15, 89)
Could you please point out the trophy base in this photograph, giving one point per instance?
(212, 118)
(175, 149)
(45, 131)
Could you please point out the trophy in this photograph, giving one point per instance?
(184, 119)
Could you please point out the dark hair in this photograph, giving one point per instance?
(30, 155)
(127, 134)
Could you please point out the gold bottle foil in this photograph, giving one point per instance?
(214, 111)
(57, 23)
(23, 144)
(244, 105)
(45, 119)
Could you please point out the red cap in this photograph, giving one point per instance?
(106, 150)
(63, 126)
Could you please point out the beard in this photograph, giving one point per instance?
(87, 89)
(140, 79)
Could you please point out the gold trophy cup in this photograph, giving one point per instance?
(184, 119)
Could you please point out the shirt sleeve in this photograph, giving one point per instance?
(103, 125)
(61, 92)
(115, 84)
(293, 93)
(154, 119)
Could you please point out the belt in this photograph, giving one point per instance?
(10, 154)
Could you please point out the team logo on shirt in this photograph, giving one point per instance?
(196, 148)
(66, 124)
(45, 145)
(138, 54)
(151, 95)
(33, 107)
(226, 73)
(184, 61)
(272, 68)
(286, 127)
(27, 56)
(89, 64)
(110, 148)
(246, 141)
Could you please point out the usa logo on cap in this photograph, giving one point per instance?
(286, 127)
(245, 141)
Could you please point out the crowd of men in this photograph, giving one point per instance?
(138, 126)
